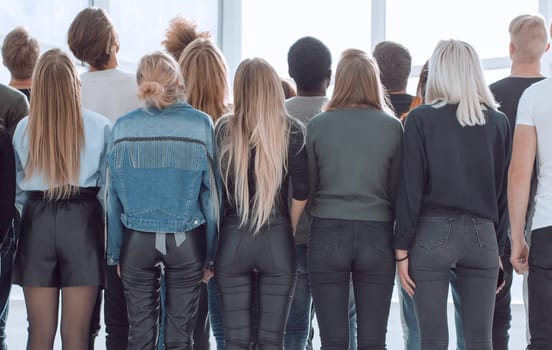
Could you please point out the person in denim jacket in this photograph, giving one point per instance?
(162, 204)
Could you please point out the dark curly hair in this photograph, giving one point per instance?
(309, 61)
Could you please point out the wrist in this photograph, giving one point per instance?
(401, 255)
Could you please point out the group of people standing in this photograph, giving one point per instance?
(251, 214)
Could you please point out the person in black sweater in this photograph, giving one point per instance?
(451, 208)
(395, 63)
(261, 150)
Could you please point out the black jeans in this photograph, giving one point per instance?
(540, 289)
(339, 249)
(271, 252)
(446, 239)
(141, 277)
(503, 313)
(115, 312)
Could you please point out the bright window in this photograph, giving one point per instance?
(269, 28)
(419, 25)
(141, 24)
(47, 21)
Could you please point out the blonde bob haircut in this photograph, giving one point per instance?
(357, 83)
(260, 123)
(456, 77)
(159, 80)
(206, 77)
(55, 129)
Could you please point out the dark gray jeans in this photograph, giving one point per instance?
(339, 249)
(445, 239)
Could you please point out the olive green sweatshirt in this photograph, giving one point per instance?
(354, 163)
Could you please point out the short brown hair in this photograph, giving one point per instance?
(20, 53)
(180, 33)
(92, 37)
(395, 63)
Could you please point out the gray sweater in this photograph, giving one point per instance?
(354, 164)
(304, 108)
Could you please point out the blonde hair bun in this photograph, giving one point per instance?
(151, 92)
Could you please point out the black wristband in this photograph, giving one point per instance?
(402, 259)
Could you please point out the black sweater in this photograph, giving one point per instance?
(447, 165)
(7, 183)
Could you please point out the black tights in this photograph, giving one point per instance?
(42, 305)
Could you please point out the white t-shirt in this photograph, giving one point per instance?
(110, 92)
(535, 109)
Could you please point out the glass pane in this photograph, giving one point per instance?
(47, 21)
(419, 25)
(141, 24)
(269, 28)
(490, 77)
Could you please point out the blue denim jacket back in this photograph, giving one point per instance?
(162, 175)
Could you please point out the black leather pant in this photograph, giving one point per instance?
(141, 274)
(271, 252)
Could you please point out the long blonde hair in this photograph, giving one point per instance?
(260, 124)
(357, 83)
(456, 76)
(206, 77)
(55, 129)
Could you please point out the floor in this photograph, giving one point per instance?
(17, 331)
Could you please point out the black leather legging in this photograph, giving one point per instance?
(141, 274)
(271, 252)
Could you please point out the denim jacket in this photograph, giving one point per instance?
(162, 175)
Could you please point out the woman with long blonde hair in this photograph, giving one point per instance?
(60, 159)
(260, 153)
(354, 152)
(205, 74)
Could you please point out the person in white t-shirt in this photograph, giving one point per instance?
(105, 88)
(109, 91)
(533, 140)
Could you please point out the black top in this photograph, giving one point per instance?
(447, 165)
(508, 91)
(27, 93)
(7, 183)
(297, 170)
(401, 103)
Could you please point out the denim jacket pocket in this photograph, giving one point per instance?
(433, 232)
(486, 233)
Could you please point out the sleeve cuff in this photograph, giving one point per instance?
(402, 243)
(112, 260)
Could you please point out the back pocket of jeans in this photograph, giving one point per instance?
(433, 233)
(486, 233)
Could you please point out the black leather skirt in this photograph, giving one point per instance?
(61, 242)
